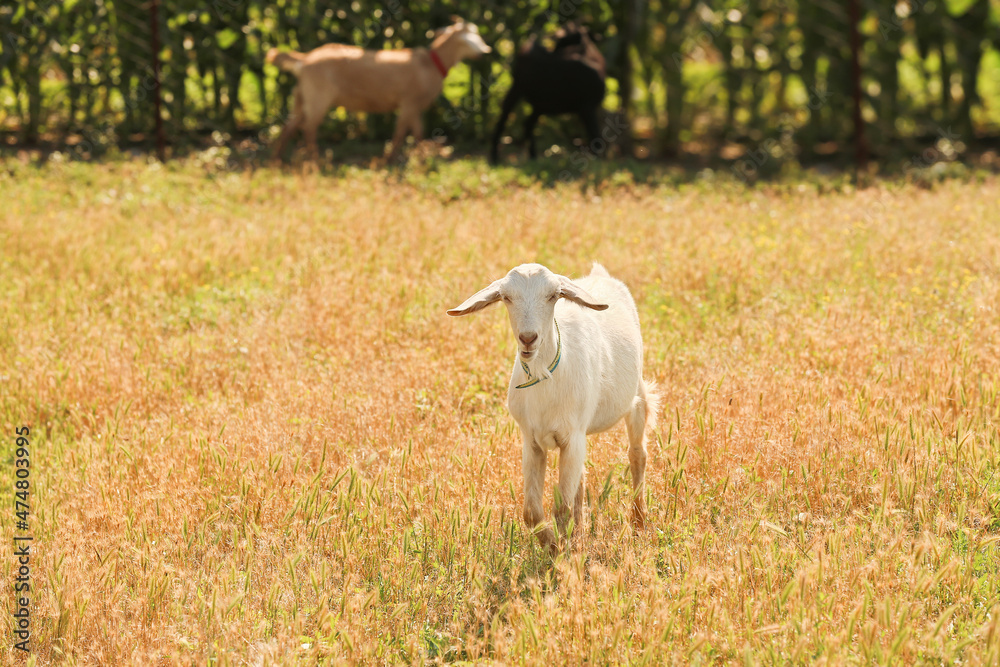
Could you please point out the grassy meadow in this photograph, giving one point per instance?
(256, 438)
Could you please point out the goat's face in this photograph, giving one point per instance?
(567, 37)
(466, 37)
(575, 43)
(530, 292)
(471, 39)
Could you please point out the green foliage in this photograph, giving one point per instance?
(81, 73)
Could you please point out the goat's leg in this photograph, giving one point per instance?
(293, 124)
(417, 128)
(309, 133)
(529, 133)
(314, 108)
(589, 118)
(571, 460)
(314, 114)
(408, 119)
(635, 421)
(533, 464)
(512, 98)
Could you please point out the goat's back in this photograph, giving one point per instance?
(553, 84)
(620, 322)
(376, 81)
(612, 341)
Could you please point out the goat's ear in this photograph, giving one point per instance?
(570, 290)
(479, 300)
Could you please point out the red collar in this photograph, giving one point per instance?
(437, 63)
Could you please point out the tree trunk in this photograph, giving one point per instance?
(33, 88)
(629, 25)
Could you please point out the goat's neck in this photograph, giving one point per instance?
(547, 351)
(448, 53)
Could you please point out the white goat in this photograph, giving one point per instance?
(578, 371)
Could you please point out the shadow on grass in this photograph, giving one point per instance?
(457, 170)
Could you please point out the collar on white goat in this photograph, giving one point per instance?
(552, 366)
(436, 59)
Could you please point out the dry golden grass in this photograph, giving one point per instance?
(259, 440)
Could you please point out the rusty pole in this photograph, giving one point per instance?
(860, 146)
(154, 25)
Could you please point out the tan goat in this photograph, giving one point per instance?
(408, 80)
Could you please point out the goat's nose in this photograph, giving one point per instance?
(528, 338)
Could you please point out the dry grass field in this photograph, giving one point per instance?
(256, 438)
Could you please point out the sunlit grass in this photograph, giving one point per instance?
(258, 439)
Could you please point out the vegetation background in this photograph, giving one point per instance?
(709, 77)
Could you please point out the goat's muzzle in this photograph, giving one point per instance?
(528, 341)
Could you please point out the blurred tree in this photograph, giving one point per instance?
(130, 20)
(973, 32)
(27, 36)
(705, 69)
(669, 44)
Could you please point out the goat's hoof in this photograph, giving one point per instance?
(546, 538)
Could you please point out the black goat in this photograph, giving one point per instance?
(567, 79)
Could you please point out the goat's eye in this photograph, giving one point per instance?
(554, 296)
(506, 299)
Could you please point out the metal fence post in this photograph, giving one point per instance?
(154, 25)
(860, 147)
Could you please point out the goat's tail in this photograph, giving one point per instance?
(649, 394)
(290, 61)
